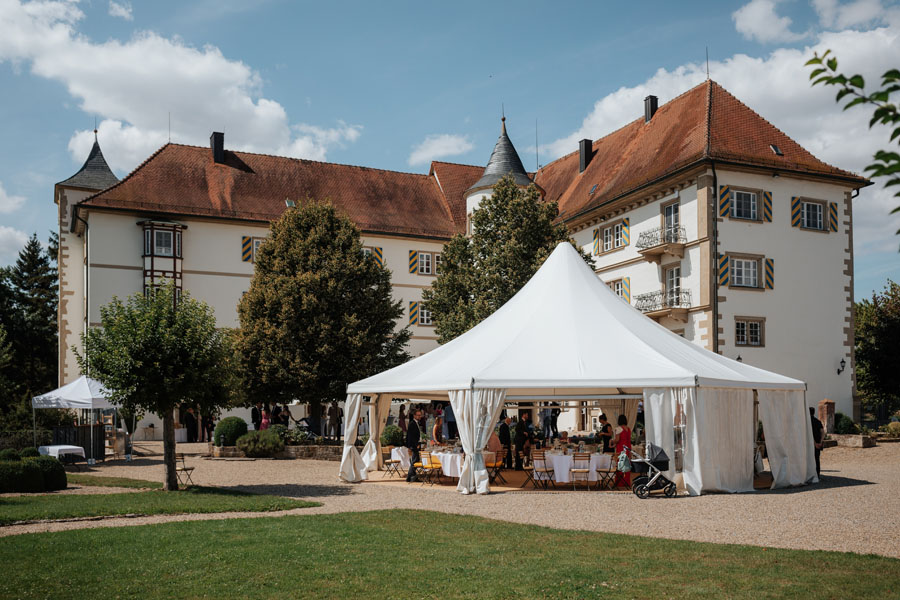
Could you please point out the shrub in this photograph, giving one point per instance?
(9, 454)
(260, 444)
(228, 430)
(21, 476)
(392, 436)
(844, 424)
(298, 436)
(30, 452)
(360, 441)
(282, 432)
(53, 472)
(892, 429)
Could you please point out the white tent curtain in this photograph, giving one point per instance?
(379, 410)
(353, 468)
(659, 420)
(789, 441)
(718, 455)
(476, 413)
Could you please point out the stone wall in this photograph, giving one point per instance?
(310, 452)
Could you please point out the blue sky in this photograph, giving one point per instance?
(396, 84)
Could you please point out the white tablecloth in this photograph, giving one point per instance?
(401, 454)
(451, 462)
(55, 451)
(563, 462)
(181, 435)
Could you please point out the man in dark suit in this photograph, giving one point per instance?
(506, 442)
(523, 438)
(413, 435)
(256, 415)
(190, 423)
(818, 431)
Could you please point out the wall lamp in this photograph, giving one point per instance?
(842, 367)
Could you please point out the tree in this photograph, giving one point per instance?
(6, 386)
(28, 301)
(319, 313)
(878, 351)
(154, 354)
(513, 234)
(852, 90)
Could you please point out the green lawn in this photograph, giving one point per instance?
(154, 502)
(416, 554)
(122, 482)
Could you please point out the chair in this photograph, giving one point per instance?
(606, 474)
(183, 472)
(495, 467)
(529, 472)
(543, 471)
(581, 468)
(391, 465)
(430, 467)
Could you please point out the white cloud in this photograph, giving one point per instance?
(8, 202)
(860, 12)
(11, 241)
(121, 10)
(757, 20)
(777, 87)
(134, 85)
(438, 146)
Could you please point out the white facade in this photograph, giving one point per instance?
(803, 314)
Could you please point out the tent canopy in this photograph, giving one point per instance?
(84, 393)
(567, 333)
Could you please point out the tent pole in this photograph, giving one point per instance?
(91, 422)
(34, 423)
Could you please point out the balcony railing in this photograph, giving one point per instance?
(655, 301)
(660, 236)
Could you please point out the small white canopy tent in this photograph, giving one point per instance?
(83, 393)
(567, 335)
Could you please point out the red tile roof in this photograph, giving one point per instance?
(183, 180)
(704, 123)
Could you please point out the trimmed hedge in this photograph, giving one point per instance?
(40, 474)
(844, 424)
(30, 452)
(9, 454)
(260, 444)
(228, 430)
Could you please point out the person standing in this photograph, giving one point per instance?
(554, 419)
(413, 435)
(190, 423)
(401, 419)
(547, 424)
(450, 418)
(605, 435)
(523, 439)
(506, 441)
(622, 441)
(256, 415)
(818, 432)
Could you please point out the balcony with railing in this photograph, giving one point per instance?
(656, 305)
(656, 243)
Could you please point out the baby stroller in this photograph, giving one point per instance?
(651, 477)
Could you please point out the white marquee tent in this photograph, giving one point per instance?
(83, 393)
(566, 336)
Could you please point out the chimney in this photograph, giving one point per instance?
(585, 152)
(217, 144)
(651, 103)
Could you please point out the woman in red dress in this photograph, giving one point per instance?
(622, 440)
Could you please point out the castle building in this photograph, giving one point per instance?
(700, 213)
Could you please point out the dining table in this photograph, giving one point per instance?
(561, 463)
(451, 462)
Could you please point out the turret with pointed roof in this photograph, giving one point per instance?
(95, 174)
(504, 161)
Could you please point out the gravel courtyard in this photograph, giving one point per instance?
(855, 508)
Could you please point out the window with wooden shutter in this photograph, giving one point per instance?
(724, 265)
(413, 313)
(413, 261)
(596, 241)
(833, 216)
(246, 248)
(770, 273)
(626, 289)
(724, 201)
(795, 211)
(626, 231)
(767, 207)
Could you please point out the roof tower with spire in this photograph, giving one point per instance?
(504, 161)
(95, 174)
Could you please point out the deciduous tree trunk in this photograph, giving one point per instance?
(171, 483)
